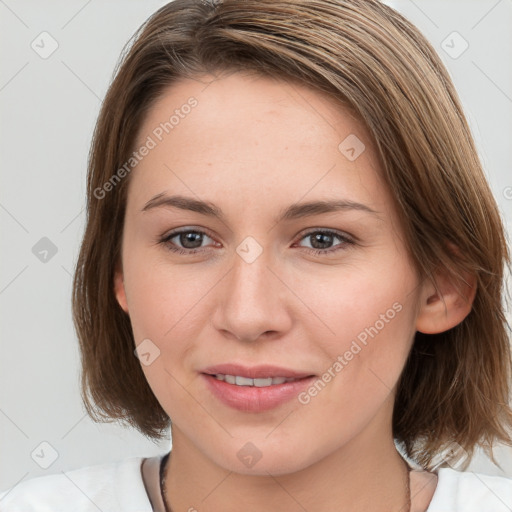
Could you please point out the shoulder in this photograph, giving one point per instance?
(112, 487)
(466, 491)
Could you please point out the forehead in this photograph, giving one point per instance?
(249, 100)
(248, 133)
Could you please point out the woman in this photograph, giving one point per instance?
(293, 259)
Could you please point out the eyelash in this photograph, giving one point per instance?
(343, 238)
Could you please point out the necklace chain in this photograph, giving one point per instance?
(163, 490)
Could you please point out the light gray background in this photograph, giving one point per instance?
(48, 110)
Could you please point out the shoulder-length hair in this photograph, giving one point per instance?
(455, 385)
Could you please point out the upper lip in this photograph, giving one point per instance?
(255, 372)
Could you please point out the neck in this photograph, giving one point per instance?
(361, 475)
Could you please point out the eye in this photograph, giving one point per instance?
(185, 241)
(322, 241)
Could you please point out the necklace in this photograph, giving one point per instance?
(163, 473)
(163, 490)
(407, 487)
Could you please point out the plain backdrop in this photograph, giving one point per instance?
(57, 59)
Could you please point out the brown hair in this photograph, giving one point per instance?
(455, 385)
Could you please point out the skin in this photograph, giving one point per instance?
(253, 146)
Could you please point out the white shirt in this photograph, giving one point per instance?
(119, 487)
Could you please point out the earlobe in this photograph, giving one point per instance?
(447, 306)
(119, 290)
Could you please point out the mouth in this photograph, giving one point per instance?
(257, 388)
(238, 380)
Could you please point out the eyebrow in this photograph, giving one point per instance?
(294, 211)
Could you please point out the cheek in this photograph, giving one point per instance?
(163, 298)
(168, 306)
(368, 319)
(363, 365)
(357, 302)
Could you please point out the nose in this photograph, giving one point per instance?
(253, 301)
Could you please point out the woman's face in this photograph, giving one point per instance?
(291, 256)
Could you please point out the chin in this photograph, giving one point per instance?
(264, 458)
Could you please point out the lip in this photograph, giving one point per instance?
(252, 398)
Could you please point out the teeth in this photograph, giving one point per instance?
(259, 383)
(243, 381)
(262, 383)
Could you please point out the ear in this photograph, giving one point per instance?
(119, 289)
(445, 307)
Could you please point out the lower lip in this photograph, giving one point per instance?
(255, 399)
